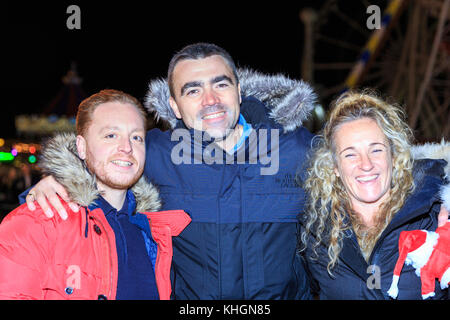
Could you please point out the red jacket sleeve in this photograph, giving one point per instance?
(24, 246)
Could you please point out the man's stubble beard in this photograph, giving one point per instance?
(211, 133)
(104, 178)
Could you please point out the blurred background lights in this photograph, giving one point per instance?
(320, 112)
(6, 156)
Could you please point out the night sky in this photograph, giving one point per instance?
(123, 45)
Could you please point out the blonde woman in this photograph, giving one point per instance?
(364, 189)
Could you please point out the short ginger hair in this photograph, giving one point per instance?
(88, 106)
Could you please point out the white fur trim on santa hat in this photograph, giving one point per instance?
(428, 295)
(393, 290)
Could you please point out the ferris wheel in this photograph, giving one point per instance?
(406, 57)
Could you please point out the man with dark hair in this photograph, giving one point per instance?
(109, 250)
(195, 52)
(241, 195)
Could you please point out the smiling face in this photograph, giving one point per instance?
(114, 145)
(364, 163)
(207, 96)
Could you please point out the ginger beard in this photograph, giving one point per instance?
(112, 177)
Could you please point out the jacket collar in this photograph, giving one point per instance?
(128, 207)
(428, 179)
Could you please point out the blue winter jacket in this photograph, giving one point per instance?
(355, 279)
(242, 241)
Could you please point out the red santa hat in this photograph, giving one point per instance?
(408, 242)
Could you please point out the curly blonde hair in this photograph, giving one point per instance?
(329, 213)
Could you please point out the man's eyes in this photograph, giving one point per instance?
(192, 92)
(219, 85)
(223, 85)
(113, 136)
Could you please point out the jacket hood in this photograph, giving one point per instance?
(60, 159)
(289, 102)
(437, 151)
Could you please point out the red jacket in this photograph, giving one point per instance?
(43, 258)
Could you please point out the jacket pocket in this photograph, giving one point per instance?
(70, 281)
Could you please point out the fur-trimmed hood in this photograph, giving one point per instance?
(60, 159)
(436, 151)
(290, 101)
